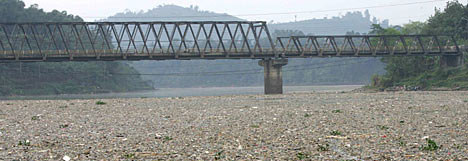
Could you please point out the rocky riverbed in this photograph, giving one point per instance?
(297, 126)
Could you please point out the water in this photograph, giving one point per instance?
(186, 92)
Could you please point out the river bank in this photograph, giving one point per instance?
(294, 126)
(186, 92)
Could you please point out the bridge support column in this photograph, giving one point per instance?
(272, 75)
(451, 60)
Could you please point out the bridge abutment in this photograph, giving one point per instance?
(273, 77)
(451, 60)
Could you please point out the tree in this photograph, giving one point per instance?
(425, 72)
(453, 20)
(58, 78)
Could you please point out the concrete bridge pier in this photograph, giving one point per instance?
(451, 60)
(273, 76)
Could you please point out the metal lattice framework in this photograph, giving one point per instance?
(368, 45)
(83, 41)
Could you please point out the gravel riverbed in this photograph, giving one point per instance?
(296, 126)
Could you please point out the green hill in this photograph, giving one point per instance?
(59, 78)
(172, 13)
(356, 22)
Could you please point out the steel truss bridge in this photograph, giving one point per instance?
(102, 41)
(107, 41)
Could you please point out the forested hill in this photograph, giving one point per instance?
(356, 22)
(298, 72)
(172, 13)
(59, 78)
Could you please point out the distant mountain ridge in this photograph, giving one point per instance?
(356, 22)
(172, 13)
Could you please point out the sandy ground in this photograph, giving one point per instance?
(300, 126)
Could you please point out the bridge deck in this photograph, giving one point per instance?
(101, 41)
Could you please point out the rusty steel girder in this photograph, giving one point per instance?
(87, 41)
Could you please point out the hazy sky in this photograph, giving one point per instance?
(290, 9)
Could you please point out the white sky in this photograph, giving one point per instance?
(91, 10)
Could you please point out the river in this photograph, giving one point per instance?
(186, 92)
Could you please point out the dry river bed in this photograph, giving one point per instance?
(297, 126)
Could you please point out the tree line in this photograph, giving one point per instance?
(426, 72)
(64, 77)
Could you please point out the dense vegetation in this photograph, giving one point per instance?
(297, 72)
(426, 72)
(356, 22)
(172, 13)
(59, 78)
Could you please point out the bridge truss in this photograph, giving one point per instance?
(87, 41)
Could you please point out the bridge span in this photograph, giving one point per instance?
(181, 40)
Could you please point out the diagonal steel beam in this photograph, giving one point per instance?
(220, 37)
(26, 37)
(8, 40)
(195, 38)
(245, 38)
(273, 48)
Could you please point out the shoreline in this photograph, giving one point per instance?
(184, 92)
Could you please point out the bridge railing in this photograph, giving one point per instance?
(367, 45)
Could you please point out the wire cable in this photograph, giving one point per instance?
(288, 13)
(215, 73)
(242, 72)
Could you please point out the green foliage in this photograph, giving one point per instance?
(100, 103)
(455, 78)
(425, 72)
(356, 22)
(172, 13)
(336, 111)
(413, 28)
(59, 78)
(129, 156)
(254, 126)
(168, 138)
(431, 145)
(67, 77)
(15, 11)
(401, 142)
(382, 127)
(453, 20)
(302, 156)
(325, 147)
(335, 133)
(24, 143)
(34, 118)
(219, 155)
